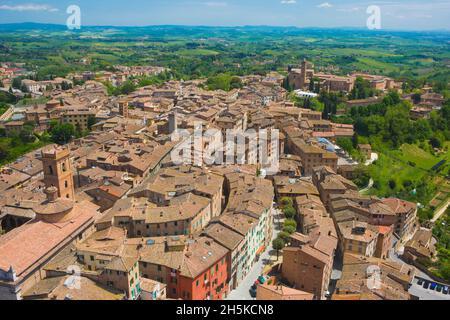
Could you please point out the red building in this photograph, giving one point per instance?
(204, 272)
(192, 269)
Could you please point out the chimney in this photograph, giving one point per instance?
(52, 194)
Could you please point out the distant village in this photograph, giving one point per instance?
(109, 216)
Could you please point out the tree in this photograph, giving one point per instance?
(289, 212)
(416, 98)
(289, 229)
(286, 201)
(236, 83)
(436, 141)
(362, 90)
(26, 135)
(16, 83)
(278, 244)
(290, 223)
(91, 122)
(284, 236)
(392, 184)
(345, 143)
(4, 153)
(1, 84)
(127, 88)
(62, 133)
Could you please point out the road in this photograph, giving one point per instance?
(440, 212)
(242, 292)
(426, 294)
(366, 189)
(373, 158)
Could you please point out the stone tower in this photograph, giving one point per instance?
(58, 171)
(303, 75)
(123, 108)
(173, 122)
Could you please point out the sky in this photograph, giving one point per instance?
(398, 15)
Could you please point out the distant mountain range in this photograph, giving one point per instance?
(28, 26)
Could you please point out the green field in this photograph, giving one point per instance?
(398, 166)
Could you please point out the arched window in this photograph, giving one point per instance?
(50, 169)
(64, 169)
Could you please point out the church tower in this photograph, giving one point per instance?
(58, 171)
(123, 108)
(303, 76)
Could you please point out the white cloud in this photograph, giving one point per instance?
(29, 7)
(288, 1)
(325, 5)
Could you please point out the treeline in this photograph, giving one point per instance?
(391, 122)
(224, 81)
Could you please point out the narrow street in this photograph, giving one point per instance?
(243, 290)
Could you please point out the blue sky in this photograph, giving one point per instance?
(400, 14)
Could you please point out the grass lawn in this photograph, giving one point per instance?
(397, 166)
(421, 158)
(387, 168)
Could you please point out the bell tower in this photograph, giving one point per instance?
(58, 171)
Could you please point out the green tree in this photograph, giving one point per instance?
(16, 83)
(346, 144)
(284, 236)
(289, 212)
(290, 223)
(63, 133)
(91, 122)
(289, 229)
(4, 153)
(278, 244)
(286, 201)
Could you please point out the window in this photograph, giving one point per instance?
(50, 169)
(159, 268)
(66, 184)
(63, 166)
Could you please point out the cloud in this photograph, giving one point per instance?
(29, 7)
(325, 5)
(288, 1)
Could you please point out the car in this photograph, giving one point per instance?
(433, 285)
(439, 288)
(253, 293)
(262, 279)
(420, 282)
(445, 290)
(426, 285)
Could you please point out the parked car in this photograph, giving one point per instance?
(433, 286)
(262, 279)
(445, 290)
(439, 288)
(426, 285)
(420, 282)
(253, 292)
